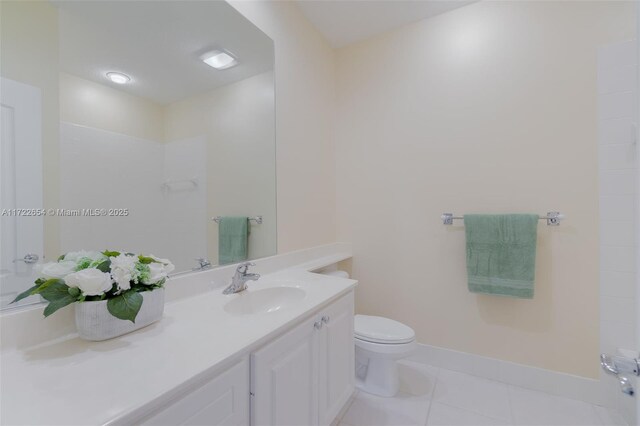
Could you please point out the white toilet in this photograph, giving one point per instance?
(380, 342)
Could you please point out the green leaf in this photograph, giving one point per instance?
(61, 257)
(147, 260)
(142, 273)
(125, 306)
(111, 253)
(40, 285)
(27, 293)
(54, 305)
(54, 290)
(104, 266)
(83, 263)
(74, 292)
(43, 284)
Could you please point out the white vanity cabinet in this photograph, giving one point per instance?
(305, 376)
(223, 400)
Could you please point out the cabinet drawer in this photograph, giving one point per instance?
(223, 400)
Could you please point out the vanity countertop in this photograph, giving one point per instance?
(72, 381)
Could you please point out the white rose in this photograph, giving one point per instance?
(77, 255)
(92, 281)
(123, 269)
(156, 273)
(168, 266)
(56, 269)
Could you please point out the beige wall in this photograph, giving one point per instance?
(237, 121)
(488, 108)
(29, 45)
(99, 106)
(305, 108)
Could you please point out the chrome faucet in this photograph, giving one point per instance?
(203, 263)
(240, 278)
(621, 366)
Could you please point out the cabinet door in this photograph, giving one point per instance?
(223, 400)
(336, 359)
(284, 379)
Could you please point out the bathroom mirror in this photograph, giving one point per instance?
(131, 125)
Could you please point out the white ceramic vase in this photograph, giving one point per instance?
(94, 322)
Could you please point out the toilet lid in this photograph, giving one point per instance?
(382, 330)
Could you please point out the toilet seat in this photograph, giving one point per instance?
(381, 330)
(392, 350)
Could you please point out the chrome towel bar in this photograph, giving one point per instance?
(552, 218)
(256, 219)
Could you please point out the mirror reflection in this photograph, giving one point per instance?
(122, 139)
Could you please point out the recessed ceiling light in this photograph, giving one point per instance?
(219, 60)
(118, 77)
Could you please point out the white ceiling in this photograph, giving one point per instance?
(158, 44)
(343, 22)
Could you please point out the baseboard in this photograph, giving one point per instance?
(553, 382)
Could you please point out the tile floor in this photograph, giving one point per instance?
(432, 396)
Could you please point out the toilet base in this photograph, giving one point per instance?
(377, 370)
(381, 378)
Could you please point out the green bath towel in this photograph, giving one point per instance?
(501, 253)
(233, 239)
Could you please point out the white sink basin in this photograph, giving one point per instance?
(264, 301)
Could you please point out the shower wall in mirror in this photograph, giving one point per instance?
(130, 125)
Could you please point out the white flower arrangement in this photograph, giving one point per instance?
(86, 276)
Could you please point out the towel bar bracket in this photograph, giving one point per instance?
(447, 218)
(554, 218)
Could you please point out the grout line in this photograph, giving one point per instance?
(513, 416)
(478, 413)
(510, 389)
(433, 392)
(347, 406)
(597, 415)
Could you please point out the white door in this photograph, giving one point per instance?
(337, 374)
(21, 185)
(284, 379)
